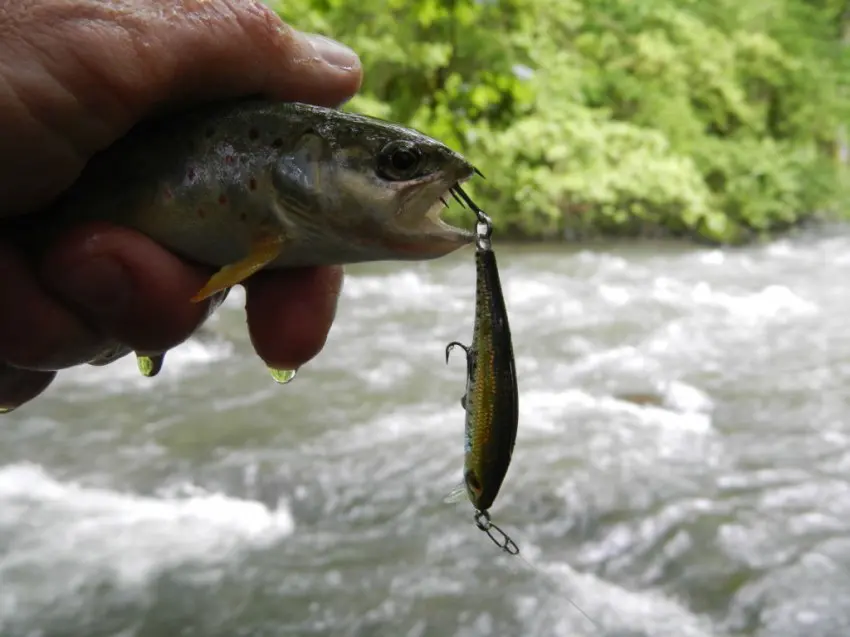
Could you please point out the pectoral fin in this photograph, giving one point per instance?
(264, 250)
(150, 366)
(456, 495)
(463, 402)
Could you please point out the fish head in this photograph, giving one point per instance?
(390, 185)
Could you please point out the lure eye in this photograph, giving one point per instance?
(399, 161)
(472, 482)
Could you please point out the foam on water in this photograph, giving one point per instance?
(603, 261)
(773, 302)
(623, 466)
(407, 287)
(61, 538)
(712, 257)
(770, 303)
(528, 291)
(550, 411)
(615, 294)
(687, 398)
(616, 609)
(650, 415)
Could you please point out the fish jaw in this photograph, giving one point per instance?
(430, 237)
(404, 223)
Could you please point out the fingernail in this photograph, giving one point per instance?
(5, 410)
(110, 355)
(333, 52)
(100, 285)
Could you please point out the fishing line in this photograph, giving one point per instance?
(504, 541)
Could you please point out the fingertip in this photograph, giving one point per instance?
(19, 386)
(310, 67)
(336, 67)
(290, 313)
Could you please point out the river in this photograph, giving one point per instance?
(681, 468)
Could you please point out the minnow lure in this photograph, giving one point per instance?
(491, 401)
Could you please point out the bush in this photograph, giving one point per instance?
(716, 120)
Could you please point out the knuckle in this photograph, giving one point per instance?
(44, 354)
(18, 386)
(157, 332)
(29, 342)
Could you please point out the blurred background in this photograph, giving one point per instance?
(716, 120)
(682, 463)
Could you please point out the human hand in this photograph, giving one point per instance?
(75, 75)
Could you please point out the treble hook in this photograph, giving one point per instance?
(497, 535)
(482, 216)
(484, 227)
(454, 344)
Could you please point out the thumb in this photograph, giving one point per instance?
(85, 71)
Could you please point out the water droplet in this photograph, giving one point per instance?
(283, 376)
(150, 365)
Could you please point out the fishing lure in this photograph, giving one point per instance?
(491, 401)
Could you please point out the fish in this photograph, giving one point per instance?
(248, 185)
(491, 401)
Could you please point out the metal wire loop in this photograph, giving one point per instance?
(483, 231)
(484, 227)
(497, 535)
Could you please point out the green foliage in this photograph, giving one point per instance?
(716, 120)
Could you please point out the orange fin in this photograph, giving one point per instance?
(264, 250)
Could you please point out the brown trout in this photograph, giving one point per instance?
(251, 184)
(247, 185)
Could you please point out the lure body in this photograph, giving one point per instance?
(492, 400)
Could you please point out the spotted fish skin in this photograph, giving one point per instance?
(322, 186)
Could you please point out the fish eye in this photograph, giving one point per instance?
(399, 161)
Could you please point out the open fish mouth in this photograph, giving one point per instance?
(464, 199)
(434, 220)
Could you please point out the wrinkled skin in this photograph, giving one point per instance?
(75, 75)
